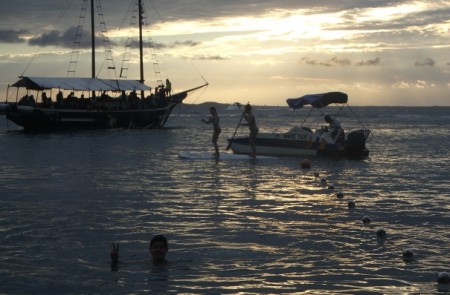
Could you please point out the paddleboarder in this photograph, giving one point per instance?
(251, 123)
(215, 120)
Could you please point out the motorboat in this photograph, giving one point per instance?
(303, 141)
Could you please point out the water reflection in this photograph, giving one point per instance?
(234, 226)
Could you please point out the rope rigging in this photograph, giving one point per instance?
(78, 40)
(57, 21)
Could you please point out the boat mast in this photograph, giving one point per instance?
(93, 38)
(93, 41)
(141, 51)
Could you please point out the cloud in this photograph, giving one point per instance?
(423, 84)
(67, 39)
(419, 84)
(427, 62)
(401, 85)
(188, 43)
(62, 39)
(370, 62)
(209, 57)
(335, 61)
(12, 36)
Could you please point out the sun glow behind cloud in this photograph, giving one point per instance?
(390, 13)
(275, 25)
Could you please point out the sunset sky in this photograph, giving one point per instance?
(380, 52)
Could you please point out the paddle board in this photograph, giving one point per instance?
(222, 156)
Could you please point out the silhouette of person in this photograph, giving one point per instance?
(215, 120)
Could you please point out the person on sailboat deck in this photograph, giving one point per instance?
(215, 120)
(168, 87)
(251, 123)
(46, 101)
(60, 99)
(335, 129)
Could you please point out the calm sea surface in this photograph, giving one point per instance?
(234, 226)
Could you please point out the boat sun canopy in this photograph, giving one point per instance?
(79, 84)
(317, 100)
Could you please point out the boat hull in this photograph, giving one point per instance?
(277, 145)
(53, 119)
(39, 118)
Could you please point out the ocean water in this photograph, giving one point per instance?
(234, 226)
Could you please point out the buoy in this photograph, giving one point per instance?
(340, 195)
(306, 164)
(443, 278)
(351, 204)
(381, 233)
(408, 255)
(366, 219)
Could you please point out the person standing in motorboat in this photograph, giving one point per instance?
(251, 123)
(215, 120)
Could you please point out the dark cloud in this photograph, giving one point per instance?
(335, 61)
(12, 36)
(67, 39)
(343, 62)
(61, 13)
(370, 62)
(196, 9)
(188, 43)
(63, 39)
(157, 45)
(427, 62)
(210, 57)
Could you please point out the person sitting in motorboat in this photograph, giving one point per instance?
(335, 129)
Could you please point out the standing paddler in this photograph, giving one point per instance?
(215, 120)
(251, 123)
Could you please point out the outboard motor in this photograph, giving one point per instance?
(356, 143)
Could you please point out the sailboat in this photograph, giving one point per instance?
(111, 103)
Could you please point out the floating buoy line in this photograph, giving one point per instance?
(407, 254)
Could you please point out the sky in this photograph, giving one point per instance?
(379, 52)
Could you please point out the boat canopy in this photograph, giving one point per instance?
(79, 84)
(317, 100)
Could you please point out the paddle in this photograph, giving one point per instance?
(237, 127)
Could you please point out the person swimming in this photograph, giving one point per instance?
(158, 249)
